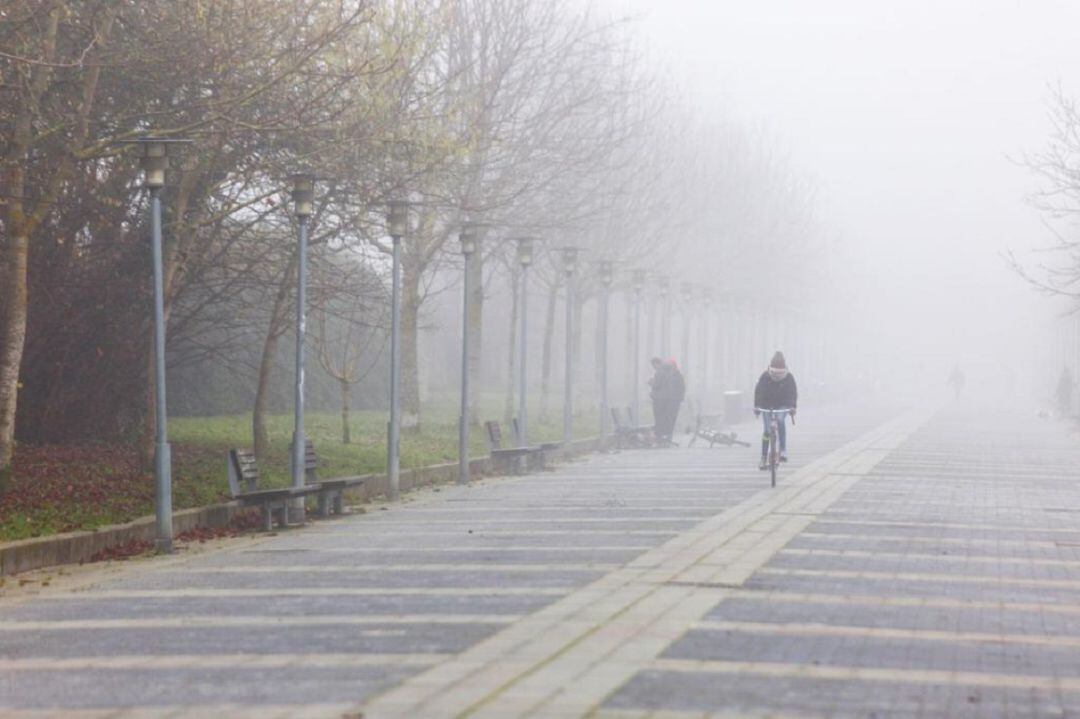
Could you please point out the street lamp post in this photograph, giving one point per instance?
(469, 245)
(703, 381)
(397, 224)
(303, 195)
(639, 286)
(605, 271)
(525, 258)
(687, 298)
(665, 317)
(569, 257)
(155, 161)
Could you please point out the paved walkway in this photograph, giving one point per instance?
(909, 564)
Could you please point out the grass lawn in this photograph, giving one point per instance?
(59, 488)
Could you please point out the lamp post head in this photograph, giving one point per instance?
(303, 194)
(687, 292)
(639, 280)
(155, 160)
(606, 273)
(397, 218)
(569, 258)
(470, 242)
(154, 157)
(525, 251)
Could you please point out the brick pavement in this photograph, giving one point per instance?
(901, 568)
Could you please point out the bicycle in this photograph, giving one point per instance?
(704, 430)
(775, 417)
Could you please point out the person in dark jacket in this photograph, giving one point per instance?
(776, 389)
(668, 390)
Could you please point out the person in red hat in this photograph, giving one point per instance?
(776, 389)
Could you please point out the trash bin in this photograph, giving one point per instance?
(732, 406)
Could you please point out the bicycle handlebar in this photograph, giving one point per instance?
(790, 411)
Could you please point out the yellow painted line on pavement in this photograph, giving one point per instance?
(474, 522)
(391, 567)
(481, 532)
(618, 503)
(779, 670)
(932, 635)
(190, 711)
(894, 601)
(947, 558)
(284, 552)
(973, 541)
(742, 713)
(918, 524)
(198, 621)
(315, 592)
(986, 580)
(230, 662)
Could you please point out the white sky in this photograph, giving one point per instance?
(906, 114)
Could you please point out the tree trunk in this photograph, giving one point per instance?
(12, 342)
(18, 226)
(549, 332)
(508, 408)
(345, 438)
(476, 330)
(410, 367)
(259, 434)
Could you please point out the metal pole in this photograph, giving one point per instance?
(463, 419)
(636, 399)
(703, 380)
(523, 417)
(298, 445)
(685, 359)
(394, 430)
(568, 384)
(665, 325)
(162, 453)
(602, 356)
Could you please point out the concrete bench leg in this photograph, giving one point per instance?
(339, 502)
(324, 504)
(267, 518)
(283, 515)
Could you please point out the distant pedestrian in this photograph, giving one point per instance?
(956, 381)
(667, 391)
(1064, 393)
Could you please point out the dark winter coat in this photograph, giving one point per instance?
(776, 394)
(668, 384)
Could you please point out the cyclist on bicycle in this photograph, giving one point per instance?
(775, 389)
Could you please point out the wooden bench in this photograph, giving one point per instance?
(509, 460)
(244, 487)
(331, 491)
(539, 459)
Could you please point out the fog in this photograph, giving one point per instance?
(844, 181)
(912, 119)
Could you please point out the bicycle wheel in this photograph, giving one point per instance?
(774, 459)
